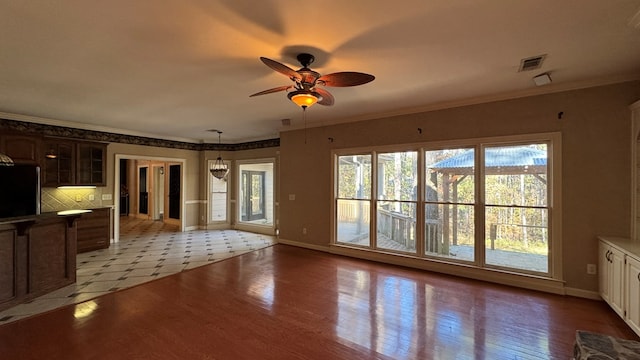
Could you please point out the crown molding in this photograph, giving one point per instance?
(110, 137)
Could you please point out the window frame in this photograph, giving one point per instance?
(554, 196)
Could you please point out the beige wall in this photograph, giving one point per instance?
(596, 174)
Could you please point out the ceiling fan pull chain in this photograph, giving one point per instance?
(304, 118)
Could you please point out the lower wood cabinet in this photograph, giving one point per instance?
(620, 278)
(94, 230)
(37, 256)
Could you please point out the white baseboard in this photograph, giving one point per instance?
(586, 294)
(304, 245)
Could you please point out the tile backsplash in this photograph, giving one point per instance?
(55, 199)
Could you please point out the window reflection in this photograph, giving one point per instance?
(378, 313)
(262, 288)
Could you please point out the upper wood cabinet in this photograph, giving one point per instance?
(91, 164)
(59, 163)
(73, 163)
(22, 149)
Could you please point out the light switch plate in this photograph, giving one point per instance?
(106, 197)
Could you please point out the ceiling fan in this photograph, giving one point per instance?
(305, 82)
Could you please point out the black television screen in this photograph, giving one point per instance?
(19, 190)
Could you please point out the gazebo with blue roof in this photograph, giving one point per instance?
(511, 160)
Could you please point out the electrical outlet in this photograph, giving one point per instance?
(92, 197)
(591, 269)
(78, 197)
(304, 231)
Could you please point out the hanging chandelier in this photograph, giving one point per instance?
(5, 160)
(219, 169)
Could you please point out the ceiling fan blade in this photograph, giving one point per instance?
(346, 78)
(269, 91)
(327, 98)
(281, 68)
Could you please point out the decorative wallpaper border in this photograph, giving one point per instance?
(100, 136)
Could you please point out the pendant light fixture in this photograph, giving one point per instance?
(219, 169)
(5, 160)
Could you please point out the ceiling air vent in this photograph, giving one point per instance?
(531, 63)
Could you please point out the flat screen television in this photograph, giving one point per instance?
(19, 190)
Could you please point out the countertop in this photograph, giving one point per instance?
(624, 244)
(43, 216)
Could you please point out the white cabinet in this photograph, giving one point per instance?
(612, 276)
(619, 262)
(632, 293)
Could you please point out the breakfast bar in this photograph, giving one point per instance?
(37, 255)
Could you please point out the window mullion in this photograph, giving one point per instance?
(373, 205)
(480, 212)
(420, 204)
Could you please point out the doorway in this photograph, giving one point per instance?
(253, 201)
(162, 181)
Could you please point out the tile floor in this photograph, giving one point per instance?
(147, 250)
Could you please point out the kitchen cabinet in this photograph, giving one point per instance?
(91, 164)
(632, 293)
(59, 164)
(620, 278)
(94, 230)
(74, 163)
(21, 149)
(37, 256)
(612, 276)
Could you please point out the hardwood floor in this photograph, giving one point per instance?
(284, 302)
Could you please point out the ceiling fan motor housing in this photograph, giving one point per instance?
(305, 59)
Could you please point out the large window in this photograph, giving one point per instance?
(516, 210)
(396, 201)
(449, 206)
(483, 203)
(217, 196)
(353, 199)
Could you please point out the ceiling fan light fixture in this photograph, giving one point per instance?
(304, 98)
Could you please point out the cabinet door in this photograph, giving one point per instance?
(91, 164)
(603, 265)
(22, 149)
(632, 296)
(59, 164)
(617, 281)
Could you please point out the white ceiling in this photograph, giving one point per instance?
(174, 69)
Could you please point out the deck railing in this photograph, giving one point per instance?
(393, 225)
(397, 227)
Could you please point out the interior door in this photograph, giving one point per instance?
(253, 202)
(143, 201)
(174, 191)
